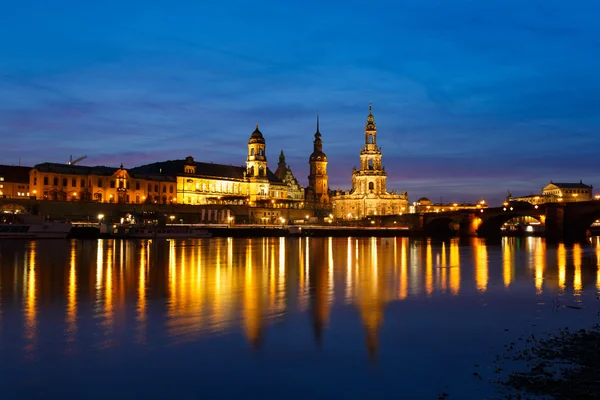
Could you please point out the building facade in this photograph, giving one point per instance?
(317, 192)
(558, 192)
(14, 182)
(63, 182)
(253, 185)
(369, 195)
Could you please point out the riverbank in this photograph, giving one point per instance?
(564, 366)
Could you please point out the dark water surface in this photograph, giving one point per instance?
(279, 318)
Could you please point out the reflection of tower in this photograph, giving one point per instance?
(371, 295)
(252, 304)
(317, 193)
(319, 287)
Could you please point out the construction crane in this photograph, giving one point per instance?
(73, 162)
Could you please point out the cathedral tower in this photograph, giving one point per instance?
(318, 185)
(371, 177)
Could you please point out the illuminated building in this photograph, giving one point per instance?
(558, 192)
(369, 195)
(63, 182)
(317, 192)
(424, 205)
(14, 182)
(208, 183)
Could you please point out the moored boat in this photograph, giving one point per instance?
(28, 226)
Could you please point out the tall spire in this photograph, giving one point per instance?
(318, 121)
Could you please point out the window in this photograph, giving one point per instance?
(35, 181)
(73, 182)
(251, 152)
(64, 182)
(120, 184)
(112, 184)
(156, 188)
(45, 180)
(171, 189)
(55, 181)
(164, 189)
(82, 183)
(371, 186)
(261, 151)
(99, 183)
(137, 186)
(128, 185)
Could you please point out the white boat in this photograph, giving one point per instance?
(149, 231)
(28, 226)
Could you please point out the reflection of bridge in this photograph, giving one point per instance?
(560, 220)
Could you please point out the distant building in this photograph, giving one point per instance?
(14, 181)
(63, 182)
(295, 192)
(369, 195)
(558, 192)
(424, 205)
(568, 191)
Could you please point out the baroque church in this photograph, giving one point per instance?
(369, 195)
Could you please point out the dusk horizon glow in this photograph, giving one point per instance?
(471, 99)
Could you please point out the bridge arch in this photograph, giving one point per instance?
(12, 208)
(578, 227)
(492, 225)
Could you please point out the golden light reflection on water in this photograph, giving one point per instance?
(71, 317)
(598, 262)
(454, 267)
(507, 262)
(204, 287)
(561, 258)
(577, 285)
(481, 265)
(428, 268)
(539, 250)
(30, 305)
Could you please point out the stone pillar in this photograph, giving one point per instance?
(468, 225)
(555, 216)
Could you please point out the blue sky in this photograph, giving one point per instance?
(471, 98)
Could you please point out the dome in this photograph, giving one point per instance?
(424, 201)
(256, 137)
(318, 156)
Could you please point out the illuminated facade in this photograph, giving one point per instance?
(14, 182)
(253, 185)
(317, 192)
(369, 195)
(558, 192)
(63, 182)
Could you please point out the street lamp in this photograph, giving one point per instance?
(100, 217)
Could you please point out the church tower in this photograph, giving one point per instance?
(318, 183)
(256, 166)
(371, 177)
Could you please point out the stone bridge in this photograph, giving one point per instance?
(560, 220)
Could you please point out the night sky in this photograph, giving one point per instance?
(471, 98)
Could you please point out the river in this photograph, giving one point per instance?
(280, 317)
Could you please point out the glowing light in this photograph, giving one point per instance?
(507, 263)
(481, 266)
(561, 255)
(100, 217)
